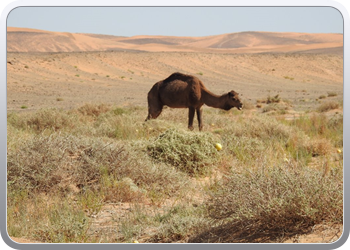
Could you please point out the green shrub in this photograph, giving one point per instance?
(192, 153)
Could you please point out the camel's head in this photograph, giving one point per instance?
(233, 101)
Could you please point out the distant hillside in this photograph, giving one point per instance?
(30, 40)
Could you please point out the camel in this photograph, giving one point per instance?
(186, 91)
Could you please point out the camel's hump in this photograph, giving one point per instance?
(181, 77)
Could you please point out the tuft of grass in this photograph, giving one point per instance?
(50, 119)
(327, 106)
(94, 110)
(24, 107)
(54, 222)
(280, 109)
(332, 94)
(274, 99)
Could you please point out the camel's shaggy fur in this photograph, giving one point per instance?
(186, 91)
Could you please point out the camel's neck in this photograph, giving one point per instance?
(212, 100)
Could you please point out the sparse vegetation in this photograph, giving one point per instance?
(275, 99)
(66, 167)
(289, 78)
(332, 94)
(326, 106)
(269, 99)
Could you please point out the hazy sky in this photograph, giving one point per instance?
(177, 21)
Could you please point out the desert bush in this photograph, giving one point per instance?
(44, 162)
(192, 153)
(326, 106)
(178, 223)
(320, 146)
(54, 162)
(332, 94)
(94, 110)
(46, 119)
(269, 203)
(280, 109)
(274, 99)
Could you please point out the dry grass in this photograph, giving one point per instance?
(272, 203)
(65, 166)
(326, 106)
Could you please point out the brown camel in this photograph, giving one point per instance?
(186, 91)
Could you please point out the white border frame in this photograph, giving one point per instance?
(10, 5)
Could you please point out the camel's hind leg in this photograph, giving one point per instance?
(199, 118)
(190, 117)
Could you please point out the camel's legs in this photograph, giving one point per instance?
(190, 117)
(199, 118)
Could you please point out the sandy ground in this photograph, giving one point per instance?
(68, 80)
(37, 80)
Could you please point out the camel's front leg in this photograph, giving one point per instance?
(199, 118)
(190, 117)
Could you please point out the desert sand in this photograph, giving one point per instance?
(63, 70)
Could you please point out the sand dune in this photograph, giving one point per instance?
(121, 70)
(31, 40)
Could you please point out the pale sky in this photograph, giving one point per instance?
(177, 21)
